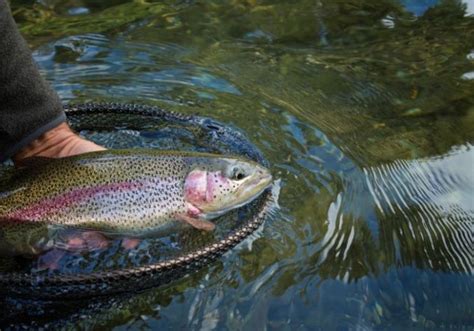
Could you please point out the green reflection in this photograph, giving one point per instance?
(365, 82)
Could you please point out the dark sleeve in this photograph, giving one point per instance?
(28, 105)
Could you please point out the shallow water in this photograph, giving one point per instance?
(364, 109)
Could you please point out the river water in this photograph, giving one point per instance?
(365, 110)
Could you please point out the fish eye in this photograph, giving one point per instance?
(237, 174)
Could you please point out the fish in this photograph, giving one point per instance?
(131, 193)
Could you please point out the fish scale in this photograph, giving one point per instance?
(74, 176)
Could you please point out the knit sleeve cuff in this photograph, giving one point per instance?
(17, 146)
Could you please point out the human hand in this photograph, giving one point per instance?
(58, 142)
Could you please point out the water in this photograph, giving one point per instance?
(364, 109)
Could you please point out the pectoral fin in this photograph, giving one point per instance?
(79, 241)
(197, 223)
(50, 259)
(130, 243)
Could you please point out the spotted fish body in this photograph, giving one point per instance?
(127, 192)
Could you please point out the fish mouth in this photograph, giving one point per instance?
(257, 186)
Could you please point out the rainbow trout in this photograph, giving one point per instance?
(129, 193)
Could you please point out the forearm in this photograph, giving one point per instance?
(28, 105)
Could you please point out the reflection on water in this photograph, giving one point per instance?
(364, 109)
(427, 209)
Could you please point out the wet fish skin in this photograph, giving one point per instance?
(126, 192)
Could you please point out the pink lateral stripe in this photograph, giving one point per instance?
(49, 206)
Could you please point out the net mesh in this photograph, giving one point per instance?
(156, 260)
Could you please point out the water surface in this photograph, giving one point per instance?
(366, 112)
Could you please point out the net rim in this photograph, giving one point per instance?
(81, 285)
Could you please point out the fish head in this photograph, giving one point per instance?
(223, 184)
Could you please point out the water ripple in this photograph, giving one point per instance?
(430, 203)
(96, 66)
